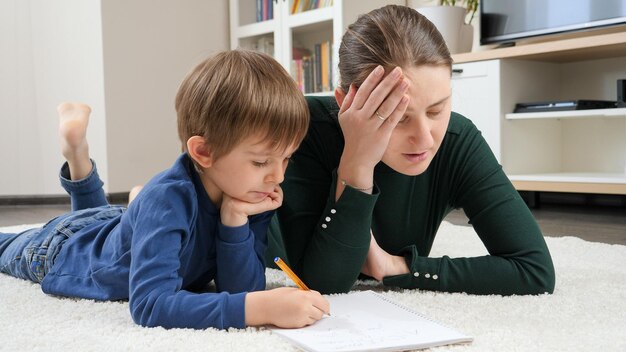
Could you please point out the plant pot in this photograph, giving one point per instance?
(450, 21)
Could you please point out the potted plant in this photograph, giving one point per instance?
(471, 6)
(449, 18)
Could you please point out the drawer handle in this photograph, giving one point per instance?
(457, 71)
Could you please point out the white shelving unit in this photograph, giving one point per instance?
(590, 140)
(303, 29)
(564, 151)
(591, 113)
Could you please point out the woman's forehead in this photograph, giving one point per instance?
(428, 84)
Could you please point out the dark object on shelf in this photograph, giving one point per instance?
(564, 105)
(621, 93)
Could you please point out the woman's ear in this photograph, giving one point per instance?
(199, 151)
(340, 95)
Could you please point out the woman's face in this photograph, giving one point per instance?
(417, 137)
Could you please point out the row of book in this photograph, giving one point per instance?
(264, 10)
(313, 70)
(305, 5)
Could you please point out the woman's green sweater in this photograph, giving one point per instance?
(326, 241)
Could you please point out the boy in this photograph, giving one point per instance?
(240, 117)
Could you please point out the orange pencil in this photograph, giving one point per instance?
(283, 266)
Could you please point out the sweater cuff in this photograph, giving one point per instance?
(424, 273)
(346, 219)
(235, 312)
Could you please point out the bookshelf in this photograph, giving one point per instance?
(296, 30)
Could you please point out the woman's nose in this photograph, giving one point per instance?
(420, 133)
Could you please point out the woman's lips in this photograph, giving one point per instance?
(416, 157)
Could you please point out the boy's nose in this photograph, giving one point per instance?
(277, 175)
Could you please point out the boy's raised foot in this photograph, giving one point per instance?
(73, 121)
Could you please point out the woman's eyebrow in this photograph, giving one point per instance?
(440, 101)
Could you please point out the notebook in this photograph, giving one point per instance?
(368, 321)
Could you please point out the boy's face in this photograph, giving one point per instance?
(249, 172)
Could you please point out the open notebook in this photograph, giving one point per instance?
(368, 321)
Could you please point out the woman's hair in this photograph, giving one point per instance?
(237, 94)
(389, 36)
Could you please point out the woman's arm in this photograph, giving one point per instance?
(518, 262)
(326, 219)
(325, 240)
(367, 117)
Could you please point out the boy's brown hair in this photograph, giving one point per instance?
(237, 94)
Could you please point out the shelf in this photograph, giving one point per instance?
(315, 27)
(566, 50)
(256, 29)
(591, 113)
(310, 17)
(573, 177)
(602, 183)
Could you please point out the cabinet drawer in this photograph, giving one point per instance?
(476, 95)
(470, 70)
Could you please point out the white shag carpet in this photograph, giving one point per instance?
(587, 311)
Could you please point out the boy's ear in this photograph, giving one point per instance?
(200, 151)
(340, 95)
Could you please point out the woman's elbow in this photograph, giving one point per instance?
(545, 278)
(549, 279)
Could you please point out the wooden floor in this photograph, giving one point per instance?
(591, 223)
(604, 224)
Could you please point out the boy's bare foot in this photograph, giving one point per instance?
(73, 121)
(134, 192)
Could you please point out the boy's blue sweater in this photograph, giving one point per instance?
(162, 252)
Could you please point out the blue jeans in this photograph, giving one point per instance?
(30, 254)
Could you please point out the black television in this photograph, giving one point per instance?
(506, 21)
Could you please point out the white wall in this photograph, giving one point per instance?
(149, 46)
(45, 60)
(123, 57)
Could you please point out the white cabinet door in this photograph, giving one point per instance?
(476, 95)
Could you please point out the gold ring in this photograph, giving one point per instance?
(380, 116)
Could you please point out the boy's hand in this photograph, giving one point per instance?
(285, 307)
(235, 212)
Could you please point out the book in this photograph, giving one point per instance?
(317, 68)
(325, 65)
(295, 7)
(368, 321)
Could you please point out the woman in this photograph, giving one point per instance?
(382, 166)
